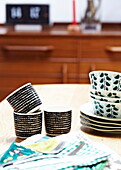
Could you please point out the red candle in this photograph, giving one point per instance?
(74, 12)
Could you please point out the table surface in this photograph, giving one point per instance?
(73, 95)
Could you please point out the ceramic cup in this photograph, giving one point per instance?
(25, 99)
(27, 125)
(57, 120)
(105, 80)
(106, 109)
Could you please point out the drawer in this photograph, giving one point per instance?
(38, 47)
(86, 67)
(100, 47)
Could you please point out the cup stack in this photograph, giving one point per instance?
(27, 112)
(105, 93)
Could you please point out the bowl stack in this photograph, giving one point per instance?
(103, 112)
(105, 93)
(27, 113)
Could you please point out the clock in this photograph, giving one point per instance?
(28, 14)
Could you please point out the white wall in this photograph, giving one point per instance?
(61, 10)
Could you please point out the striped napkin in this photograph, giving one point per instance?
(74, 151)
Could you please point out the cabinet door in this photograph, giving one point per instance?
(43, 47)
(104, 47)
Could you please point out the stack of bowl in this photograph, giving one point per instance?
(105, 93)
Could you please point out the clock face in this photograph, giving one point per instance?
(27, 14)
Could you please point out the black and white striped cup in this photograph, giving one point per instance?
(25, 99)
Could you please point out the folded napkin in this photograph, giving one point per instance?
(68, 151)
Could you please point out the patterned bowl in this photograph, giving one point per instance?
(105, 93)
(105, 80)
(106, 109)
(106, 99)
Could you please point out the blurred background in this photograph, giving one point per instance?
(55, 42)
(61, 11)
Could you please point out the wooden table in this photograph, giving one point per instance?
(64, 94)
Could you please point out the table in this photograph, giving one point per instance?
(72, 95)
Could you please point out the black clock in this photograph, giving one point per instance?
(28, 14)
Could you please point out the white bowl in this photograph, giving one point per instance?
(106, 109)
(105, 80)
(106, 99)
(105, 93)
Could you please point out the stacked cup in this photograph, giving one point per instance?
(27, 114)
(105, 93)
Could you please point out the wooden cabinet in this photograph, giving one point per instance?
(99, 52)
(39, 58)
(55, 56)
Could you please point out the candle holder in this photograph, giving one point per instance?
(91, 20)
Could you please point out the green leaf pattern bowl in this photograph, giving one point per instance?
(106, 99)
(105, 80)
(106, 109)
(105, 93)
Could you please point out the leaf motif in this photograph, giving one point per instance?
(117, 97)
(102, 80)
(108, 84)
(98, 112)
(117, 101)
(117, 77)
(93, 87)
(95, 102)
(115, 108)
(95, 78)
(115, 113)
(106, 88)
(101, 111)
(101, 75)
(108, 78)
(108, 115)
(102, 86)
(108, 110)
(101, 106)
(96, 107)
(115, 82)
(115, 88)
(96, 93)
(95, 83)
(109, 94)
(108, 105)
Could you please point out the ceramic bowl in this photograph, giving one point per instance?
(105, 80)
(106, 109)
(105, 93)
(106, 99)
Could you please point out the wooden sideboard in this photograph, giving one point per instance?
(55, 55)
